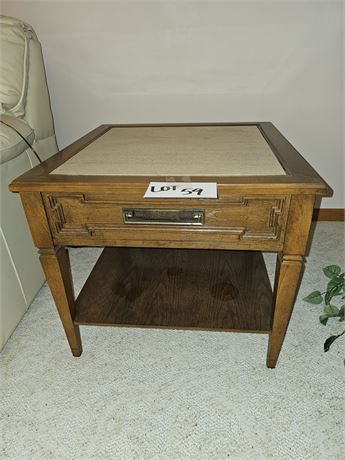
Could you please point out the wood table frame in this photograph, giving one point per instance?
(61, 212)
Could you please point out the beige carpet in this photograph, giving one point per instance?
(152, 394)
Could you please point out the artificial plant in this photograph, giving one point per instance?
(333, 299)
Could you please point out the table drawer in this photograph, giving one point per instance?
(254, 222)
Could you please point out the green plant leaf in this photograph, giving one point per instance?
(331, 293)
(336, 282)
(331, 310)
(324, 319)
(331, 271)
(314, 297)
(334, 287)
(330, 340)
(342, 313)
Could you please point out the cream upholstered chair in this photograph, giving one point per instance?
(25, 106)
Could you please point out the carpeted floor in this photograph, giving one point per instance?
(159, 394)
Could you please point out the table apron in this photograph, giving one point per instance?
(255, 222)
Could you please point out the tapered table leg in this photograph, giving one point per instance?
(288, 274)
(56, 266)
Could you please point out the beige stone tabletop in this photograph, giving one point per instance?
(176, 151)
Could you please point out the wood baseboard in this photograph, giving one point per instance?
(332, 214)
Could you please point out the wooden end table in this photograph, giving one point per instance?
(160, 267)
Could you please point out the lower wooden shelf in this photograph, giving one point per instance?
(177, 288)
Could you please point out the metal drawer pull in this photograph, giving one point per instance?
(163, 216)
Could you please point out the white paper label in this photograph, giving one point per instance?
(181, 190)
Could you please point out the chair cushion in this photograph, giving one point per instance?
(14, 38)
(11, 144)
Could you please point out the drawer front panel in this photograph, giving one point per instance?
(252, 222)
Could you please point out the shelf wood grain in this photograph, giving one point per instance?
(174, 288)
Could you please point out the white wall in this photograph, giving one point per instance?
(184, 61)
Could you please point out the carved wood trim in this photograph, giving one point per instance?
(274, 225)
